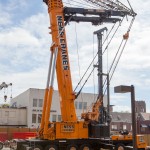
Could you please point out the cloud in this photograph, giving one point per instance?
(7, 10)
(121, 108)
(37, 25)
(25, 53)
(25, 47)
(24, 80)
(13, 5)
(25, 44)
(17, 37)
(5, 18)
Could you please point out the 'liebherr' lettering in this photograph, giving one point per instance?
(62, 43)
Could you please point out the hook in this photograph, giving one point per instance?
(5, 98)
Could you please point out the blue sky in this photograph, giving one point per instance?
(25, 42)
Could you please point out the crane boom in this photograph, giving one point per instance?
(69, 128)
(109, 4)
(55, 10)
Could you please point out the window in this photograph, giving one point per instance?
(40, 102)
(124, 127)
(141, 138)
(14, 104)
(136, 109)
(114, 127)
(76, 105)
(143, 129)
(12, 114)
(119, 117)
(39, 118)
(53, 118)
(33, 118)
(6, 113)
(34, 102)
(142, 110)
(80, 105)
(59, 117)
(84, 105)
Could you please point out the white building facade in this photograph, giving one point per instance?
(13, 117)
(32, 99)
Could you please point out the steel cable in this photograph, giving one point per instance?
(97, 54)
(130, 26)
(112, 63)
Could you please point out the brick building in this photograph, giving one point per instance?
(140, 106)
(122, 121)
(143, 123)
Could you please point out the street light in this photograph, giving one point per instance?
(126, 89)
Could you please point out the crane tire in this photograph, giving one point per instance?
(120, 146)
(1, 145)
(51, 147)
(38, 147)
(85, 147)
(72, 147)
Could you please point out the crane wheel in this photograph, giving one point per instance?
(72, 147)
(85, 147)
(1, 145)
(38, 147)
(51, 147)
(120, 146)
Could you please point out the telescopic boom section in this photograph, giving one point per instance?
(67, 97)
(69, 127)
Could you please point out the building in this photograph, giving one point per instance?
(32, 99)
(143, 123)
(13, 117)
(121, 121)
(140, 106)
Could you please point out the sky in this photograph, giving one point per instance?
(25, 51)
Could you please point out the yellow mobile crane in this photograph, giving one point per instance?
(70, 133)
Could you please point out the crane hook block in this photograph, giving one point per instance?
(126, 36)
(5, 98)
